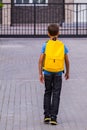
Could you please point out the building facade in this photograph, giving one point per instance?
(16, 12)
(21, 11)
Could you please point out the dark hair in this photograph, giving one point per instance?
(53, 29)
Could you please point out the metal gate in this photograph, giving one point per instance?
(32, 20)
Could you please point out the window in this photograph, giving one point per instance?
(30, 1)
(39, 1)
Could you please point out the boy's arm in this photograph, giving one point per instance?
(67, 66)
(40, 67)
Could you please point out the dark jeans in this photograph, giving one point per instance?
(53, 84)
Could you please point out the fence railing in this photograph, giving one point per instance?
(32, 20)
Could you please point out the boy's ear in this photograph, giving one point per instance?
(58, 34)
(48, 34)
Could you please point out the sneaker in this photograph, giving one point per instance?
(53, 121)
(47, 119)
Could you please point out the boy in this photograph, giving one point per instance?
(51, 66)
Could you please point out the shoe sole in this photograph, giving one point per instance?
(47, 120)
(53, 123)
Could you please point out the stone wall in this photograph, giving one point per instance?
(6, 12)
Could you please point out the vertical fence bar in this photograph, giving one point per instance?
(63, 10)
(12, 5)
(86, 19)
(76, 19)
(34, 19)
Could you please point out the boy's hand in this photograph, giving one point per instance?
(41, 77)
(66, 76)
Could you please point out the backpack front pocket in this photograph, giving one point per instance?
(54, 65)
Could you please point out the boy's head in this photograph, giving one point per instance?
(53, 30)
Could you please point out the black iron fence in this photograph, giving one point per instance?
(32, 20)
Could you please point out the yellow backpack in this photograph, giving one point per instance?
(54, 56)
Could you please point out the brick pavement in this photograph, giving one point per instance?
(21, 93)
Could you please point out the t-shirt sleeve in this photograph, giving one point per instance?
(66, 49)
(43, 48)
